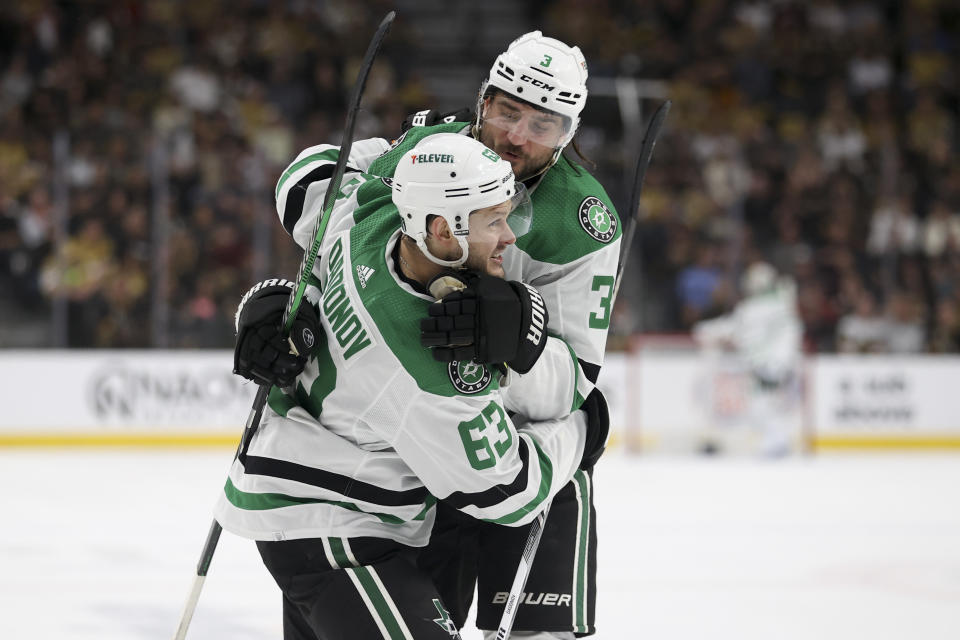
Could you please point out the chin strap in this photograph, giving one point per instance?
(464, 249)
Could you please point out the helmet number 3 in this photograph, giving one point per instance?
(601, 319)
(546, 61)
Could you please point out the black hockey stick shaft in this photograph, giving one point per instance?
(346, 142)
(536, 528)
(643, 161)
(293, 304)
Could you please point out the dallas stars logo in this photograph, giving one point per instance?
(444, 621)
(597, 220)
(468, 376)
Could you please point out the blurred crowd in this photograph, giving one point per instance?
(140, 142)
(139, 145)
(820, 136)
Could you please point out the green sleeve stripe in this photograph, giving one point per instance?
(577, 398)
(330, 155)
(427, 505)
(280, 402)
(266, 501)
(546, 476)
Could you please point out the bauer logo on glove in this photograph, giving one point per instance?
(538, 316)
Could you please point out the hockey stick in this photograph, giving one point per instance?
(293, 304)
(523, 572)
(536, 527)
(646, 152)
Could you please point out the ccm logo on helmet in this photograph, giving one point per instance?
(537, 83)
(424, 158)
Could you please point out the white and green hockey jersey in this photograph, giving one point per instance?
(570, 253)
(375, 430)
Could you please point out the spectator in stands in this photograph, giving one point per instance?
(904, 332)
(78, 272)
(839, 136)
(894, 227)
(945, 337)
(700, 287)
(863, 330)
(941, 231)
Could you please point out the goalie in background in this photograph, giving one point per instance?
(762, 336)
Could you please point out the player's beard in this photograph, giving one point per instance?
(483, 263)
(525, 165)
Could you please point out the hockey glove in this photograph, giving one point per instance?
(598, 427)
(262, 353)
(491, 321)
(430, 117)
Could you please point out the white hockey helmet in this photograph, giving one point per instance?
(450, 175)
(544, 72)
(759, 278)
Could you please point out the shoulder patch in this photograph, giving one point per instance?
(387, 181)
(597, 220)
(469, 377)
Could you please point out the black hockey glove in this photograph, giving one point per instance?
(430, 117)
(262, 353)
(598, 427)
(491, 321)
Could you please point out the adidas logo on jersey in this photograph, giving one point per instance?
(363, 273)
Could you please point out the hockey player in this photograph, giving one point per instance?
(339, 483)
(764, 329)
(528, 110)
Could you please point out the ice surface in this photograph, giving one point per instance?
(102, 545)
